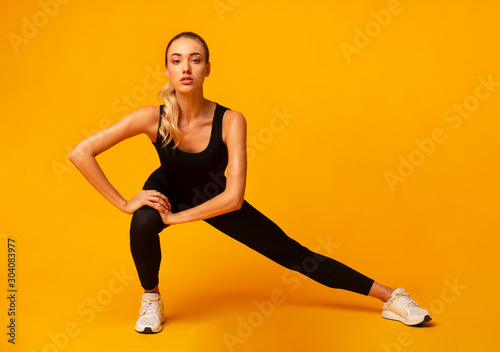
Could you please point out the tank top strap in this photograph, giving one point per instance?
(216, 135)
(161, 112)
(218, 120)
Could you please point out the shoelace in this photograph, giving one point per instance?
(149, 306)
(406, 301)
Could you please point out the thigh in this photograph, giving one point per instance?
(156, 181)
(252, 228)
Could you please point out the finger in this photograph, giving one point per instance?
(159, 200)
(166, 204)
(157, 206)
(163, 205)
(161, 195)
(163, 200)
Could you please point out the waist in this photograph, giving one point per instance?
(195, 189)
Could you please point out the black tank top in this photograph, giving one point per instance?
(195, 178)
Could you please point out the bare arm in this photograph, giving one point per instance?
(142, 120)
(234, 135)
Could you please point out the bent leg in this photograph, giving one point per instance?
(145, 245)
(144, 239)
(250, 227)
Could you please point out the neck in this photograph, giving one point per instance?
(192, 105)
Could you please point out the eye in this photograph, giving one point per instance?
(196, 60)
(175, 61)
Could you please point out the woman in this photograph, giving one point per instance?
(197, 141)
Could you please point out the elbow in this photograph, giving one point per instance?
(75, 156)
(237, 202)
(241, 199)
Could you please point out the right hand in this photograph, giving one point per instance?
(152, 198)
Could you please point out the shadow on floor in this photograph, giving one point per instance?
(199, 307)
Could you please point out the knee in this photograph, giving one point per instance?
(295, 258)
(146, 221)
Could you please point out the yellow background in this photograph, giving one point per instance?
(352, 118)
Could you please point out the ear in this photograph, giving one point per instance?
(208, 70)
(166, 71)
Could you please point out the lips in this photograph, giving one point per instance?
(186, 80)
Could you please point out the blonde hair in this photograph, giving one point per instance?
(169, 129)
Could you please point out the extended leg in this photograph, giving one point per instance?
(380, 291)
(256, 231)
(253, 229)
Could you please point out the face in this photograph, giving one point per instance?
(186, 66)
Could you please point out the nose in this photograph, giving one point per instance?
(186, 68)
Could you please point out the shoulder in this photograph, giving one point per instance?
(147, 114)
(233, 117)
(143, 120)
(234, 126)
(143, 115)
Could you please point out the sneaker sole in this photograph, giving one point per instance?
(149, 330)
(393, 316)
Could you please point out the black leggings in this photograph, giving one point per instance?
(248, 226)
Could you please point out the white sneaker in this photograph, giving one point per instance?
(151, 314)
(402, 308)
